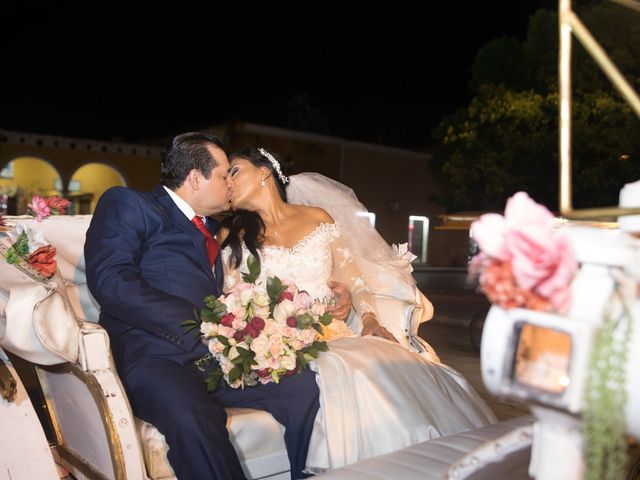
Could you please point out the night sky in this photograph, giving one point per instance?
(383, 75)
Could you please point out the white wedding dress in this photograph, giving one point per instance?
(375, 395)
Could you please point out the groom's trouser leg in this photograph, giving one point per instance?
(293, 402)
(174, 399)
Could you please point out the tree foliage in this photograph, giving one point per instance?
(506, 139)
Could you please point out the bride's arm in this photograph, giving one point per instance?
(346, 271)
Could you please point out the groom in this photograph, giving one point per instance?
(148, 268)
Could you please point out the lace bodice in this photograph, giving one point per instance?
(320, 256)
(308, 264)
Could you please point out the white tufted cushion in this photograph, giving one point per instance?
(256, 436)
(497, 451)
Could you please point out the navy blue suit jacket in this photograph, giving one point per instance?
(147, 267)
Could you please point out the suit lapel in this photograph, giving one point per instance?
(179, 219)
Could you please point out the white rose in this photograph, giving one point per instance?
(288, 361)
(233, 353)
(283, 310)
(260, 300)
(246, 296)
(232, 302)
(209, 329)
(216, 346)
(260, 345)
(260, 290)
(262, 312)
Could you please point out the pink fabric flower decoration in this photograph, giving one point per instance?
(524, 262)
(39, 207)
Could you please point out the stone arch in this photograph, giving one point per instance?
(89, 181)
(23, 176)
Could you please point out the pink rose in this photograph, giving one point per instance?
(40, 208)
(488, 231)
(302, 300)
(286, 296)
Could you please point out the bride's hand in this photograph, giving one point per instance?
(371, 326)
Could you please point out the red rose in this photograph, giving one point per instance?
(257, 323)
(263, 373)
(227, 319)
(292, 322)
(286, 296)
(57, 203)
(289, 373)
(43, 260)
(239, 335)
(251, 331)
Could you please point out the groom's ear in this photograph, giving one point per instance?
(193, 178)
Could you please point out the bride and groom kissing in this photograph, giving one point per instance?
(150, 262)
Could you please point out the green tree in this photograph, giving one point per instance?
(506, 140)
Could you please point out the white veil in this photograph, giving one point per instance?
(387, 270)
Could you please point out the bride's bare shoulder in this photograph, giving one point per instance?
(317, 214)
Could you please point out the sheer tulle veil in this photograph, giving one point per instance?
(387, 270)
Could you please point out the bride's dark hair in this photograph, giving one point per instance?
(245, 225)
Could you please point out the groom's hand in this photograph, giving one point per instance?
(371, 326)
(341, 309)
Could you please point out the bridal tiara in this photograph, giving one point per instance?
(275, 164)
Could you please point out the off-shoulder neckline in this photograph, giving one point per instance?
(304, 240)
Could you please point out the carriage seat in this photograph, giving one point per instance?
(96, 433)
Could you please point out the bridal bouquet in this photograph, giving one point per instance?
(259, 333)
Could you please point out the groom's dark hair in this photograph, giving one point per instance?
(188, 151)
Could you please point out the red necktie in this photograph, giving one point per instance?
(209, 241)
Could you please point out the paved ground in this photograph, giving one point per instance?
(453, 334)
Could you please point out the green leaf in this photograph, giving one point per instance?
(246, 366)
(213, 379)
(211, 300)
(206, 315)
(189, 326)
(223, 340)
(253, 265)
(321, 345)
(234, 374)
(12, 257)
(326, 318)
(21, 247)
(318, 328)
(275, 288)
(301, 361)
(305, 320)
(245, 352)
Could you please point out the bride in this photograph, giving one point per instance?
(376, 395)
